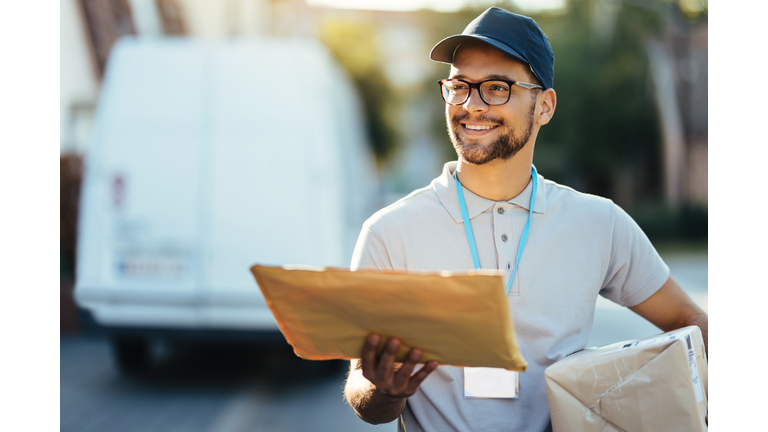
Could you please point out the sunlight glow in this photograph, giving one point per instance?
(438, 5)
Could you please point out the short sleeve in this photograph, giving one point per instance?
(370, 252)
(635, 270)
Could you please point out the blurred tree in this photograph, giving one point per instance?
(606, 128)
(353, 43)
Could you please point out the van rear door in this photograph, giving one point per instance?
(141, 230)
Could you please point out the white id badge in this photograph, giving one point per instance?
(482, 382)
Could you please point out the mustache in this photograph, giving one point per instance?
(463, 116)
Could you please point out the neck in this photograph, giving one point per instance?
(497, 180)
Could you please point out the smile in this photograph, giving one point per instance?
(479, 127)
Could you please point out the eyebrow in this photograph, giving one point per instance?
(487, 77)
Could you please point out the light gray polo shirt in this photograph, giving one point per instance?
(579, 246)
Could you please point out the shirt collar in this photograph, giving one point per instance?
(445, 187)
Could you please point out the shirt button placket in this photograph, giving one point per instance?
(500, 211)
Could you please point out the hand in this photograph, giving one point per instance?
(390, 378)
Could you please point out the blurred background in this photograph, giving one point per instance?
(631, 125)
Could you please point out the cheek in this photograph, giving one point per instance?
(451, 111)
(513, 116)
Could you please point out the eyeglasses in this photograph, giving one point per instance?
(492, 92)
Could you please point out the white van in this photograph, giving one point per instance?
(206, 158)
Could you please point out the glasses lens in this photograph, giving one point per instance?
(455, 92)
(495, 92)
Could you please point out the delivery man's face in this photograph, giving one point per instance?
(480, 132)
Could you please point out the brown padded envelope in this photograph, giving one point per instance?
(457, 319)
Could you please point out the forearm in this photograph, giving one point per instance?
(701, 320)
(371, 405)
(695, 317)
(671, 308)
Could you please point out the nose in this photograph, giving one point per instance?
(474, 102)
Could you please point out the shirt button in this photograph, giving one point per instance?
(500, 210)
(509, 266)
(503, 237)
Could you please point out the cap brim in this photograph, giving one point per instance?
(444, 50)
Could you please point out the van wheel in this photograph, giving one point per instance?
(131, 354)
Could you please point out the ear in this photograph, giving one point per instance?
(547, 101)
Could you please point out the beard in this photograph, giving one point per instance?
(504, 147)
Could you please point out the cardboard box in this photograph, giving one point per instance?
(653, 384)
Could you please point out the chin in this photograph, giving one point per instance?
(474, 155)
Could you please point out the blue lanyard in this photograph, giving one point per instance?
(468, 227)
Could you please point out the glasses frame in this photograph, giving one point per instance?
(477, 85)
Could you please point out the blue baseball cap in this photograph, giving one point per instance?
(516, 35)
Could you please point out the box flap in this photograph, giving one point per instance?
(628, 404)
(590, 373)
(569, 414)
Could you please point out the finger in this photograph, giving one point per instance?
(400, 381)
(419, 376)
(368, 356)
(384, 371)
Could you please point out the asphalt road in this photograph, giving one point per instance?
(230, 388)
(212, 388)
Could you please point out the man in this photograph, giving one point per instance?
(560, 248)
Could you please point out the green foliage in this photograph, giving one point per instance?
(606, 118)
(661, 222)
(353, 43)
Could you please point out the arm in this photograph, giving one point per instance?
(671, 308)
(377, 388)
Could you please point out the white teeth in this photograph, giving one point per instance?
(477, 127)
